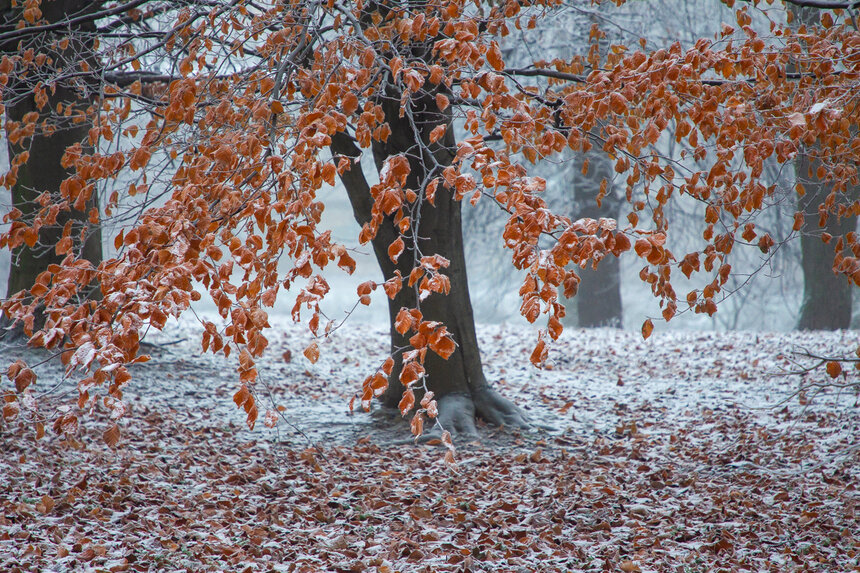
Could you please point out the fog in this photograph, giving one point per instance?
(768, 291)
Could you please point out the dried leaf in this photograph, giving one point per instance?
(312, 352)
(111, 435)
(647, 328)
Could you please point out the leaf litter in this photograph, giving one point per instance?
(679, 453)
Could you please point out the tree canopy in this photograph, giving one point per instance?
(213, 126)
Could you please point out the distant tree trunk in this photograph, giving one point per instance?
(826, 295)
(43, 171)
(459, 383)
(826, 301)
(598, 299)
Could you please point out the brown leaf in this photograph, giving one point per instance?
(45, 505)
(647, 328)
(111, 435)
(24, 378)
(312, 353)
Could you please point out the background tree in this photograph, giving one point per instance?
(826, 303)
(217, 124)
(598, 298)
(36, 177)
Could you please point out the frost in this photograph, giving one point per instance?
(684, 443)
(83, 356)
(819, 106)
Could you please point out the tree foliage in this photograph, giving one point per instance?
(213, 129)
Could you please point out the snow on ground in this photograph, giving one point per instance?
(686, 452)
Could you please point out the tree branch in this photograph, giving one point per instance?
(65, 24)
(824, 4)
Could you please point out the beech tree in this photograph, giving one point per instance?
(826, 301)
(213, 126)
(47, 147)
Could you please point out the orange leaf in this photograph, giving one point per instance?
(395, 249)
(366, 288)
(406, 402)
(378, 383)
(417, 424)
(111, 435)
(444, 347)
(411, 373)
(834, 369)
(45, 505)
(428, 397)
(350, 103)
(393, 285)
(416, 274)
(15, 368)
(388, 365)
(798, 221)
(642, 247)
(312, 353)
(647, 328)
(24, 378)
(494, 57)
(430, 191)
(622, 244)
(669, 311)
(539, 353)
(395, 64)
(797, 119)
(437, 133)
(347, 263)
(403, 322)
(241, 396)
(765, 243)
(328, 173)
(554, 327)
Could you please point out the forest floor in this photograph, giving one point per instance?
(687, 452)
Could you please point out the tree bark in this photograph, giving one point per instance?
(598, 298)
(826, 295)
(44, 171)
(459, 384)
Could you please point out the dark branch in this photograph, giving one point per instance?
(537, 72)
(824, 4)
(65, 24)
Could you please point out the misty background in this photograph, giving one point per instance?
(768, 291)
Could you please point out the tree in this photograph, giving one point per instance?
(39, 172)
(598, 298)
(217, 123)
(826, 295)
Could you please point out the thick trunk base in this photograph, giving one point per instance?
(461, 390)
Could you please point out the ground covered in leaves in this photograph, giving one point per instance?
(681, 453)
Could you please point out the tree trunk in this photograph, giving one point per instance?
(826, 301)
(826, 295)
(459, 384)
(598, 298)
(43, 171)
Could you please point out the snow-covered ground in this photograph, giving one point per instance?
(690, 449)
(673, 372)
